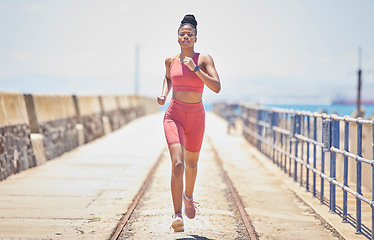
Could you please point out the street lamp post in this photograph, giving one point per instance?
(359, 72)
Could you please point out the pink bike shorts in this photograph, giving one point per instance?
(184, 123)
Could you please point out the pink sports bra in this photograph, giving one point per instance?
(183, 79)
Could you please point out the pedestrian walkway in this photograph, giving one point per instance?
(275, 210)
(84, 193)
(217, 217)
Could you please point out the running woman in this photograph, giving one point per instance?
(184, 121)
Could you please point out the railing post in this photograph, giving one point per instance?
(281, 141)
(326, 138)
(358, 180)
(314, 154)
(297, 124)
(345, 174)
(307, 152)
(273, 122)
(291, 140)
(249, 126)
(259, 118)
(302, 130)
(326, 135)
(322, 179)
(252, 113)
(245, 120)
(335, 143)
(268, 134)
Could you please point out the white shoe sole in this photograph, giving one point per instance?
(178, 226)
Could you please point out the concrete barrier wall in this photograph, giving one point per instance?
(53, 107)
(12, 109)
(56, 121)
(36, 128)
(111, 112)
(16, 153)
(90, 116)
(125, 109)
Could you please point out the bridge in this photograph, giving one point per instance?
(97, 167)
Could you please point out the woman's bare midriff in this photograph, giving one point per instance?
(188, 97)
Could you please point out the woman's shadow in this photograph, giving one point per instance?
(197, 237)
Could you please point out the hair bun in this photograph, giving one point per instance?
(190, 19)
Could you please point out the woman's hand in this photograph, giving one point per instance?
(161, 100)
(189, 63)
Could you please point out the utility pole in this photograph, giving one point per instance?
(136, 72)
(359, 112)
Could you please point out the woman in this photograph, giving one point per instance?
(184, 121)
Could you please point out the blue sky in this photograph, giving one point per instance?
(266, 51)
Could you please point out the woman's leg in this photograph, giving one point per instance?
(190, 159)
(177, 170)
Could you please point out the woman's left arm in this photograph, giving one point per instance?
(207, 72)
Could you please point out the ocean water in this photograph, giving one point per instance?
(341, 110)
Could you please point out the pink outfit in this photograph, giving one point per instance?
(183, 78)
(184, 123)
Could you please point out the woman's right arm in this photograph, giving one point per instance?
(167, 83)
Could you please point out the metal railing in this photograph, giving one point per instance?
(307, 146)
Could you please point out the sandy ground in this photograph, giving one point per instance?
(217, 217)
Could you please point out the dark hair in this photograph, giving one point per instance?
(190, 20)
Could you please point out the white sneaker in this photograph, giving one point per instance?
(177, 223)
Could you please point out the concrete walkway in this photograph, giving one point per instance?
(217, 217)
(83, 194)
(275, 210)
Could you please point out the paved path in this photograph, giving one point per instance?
(83, 194)
(275, 210)
(217, 217)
